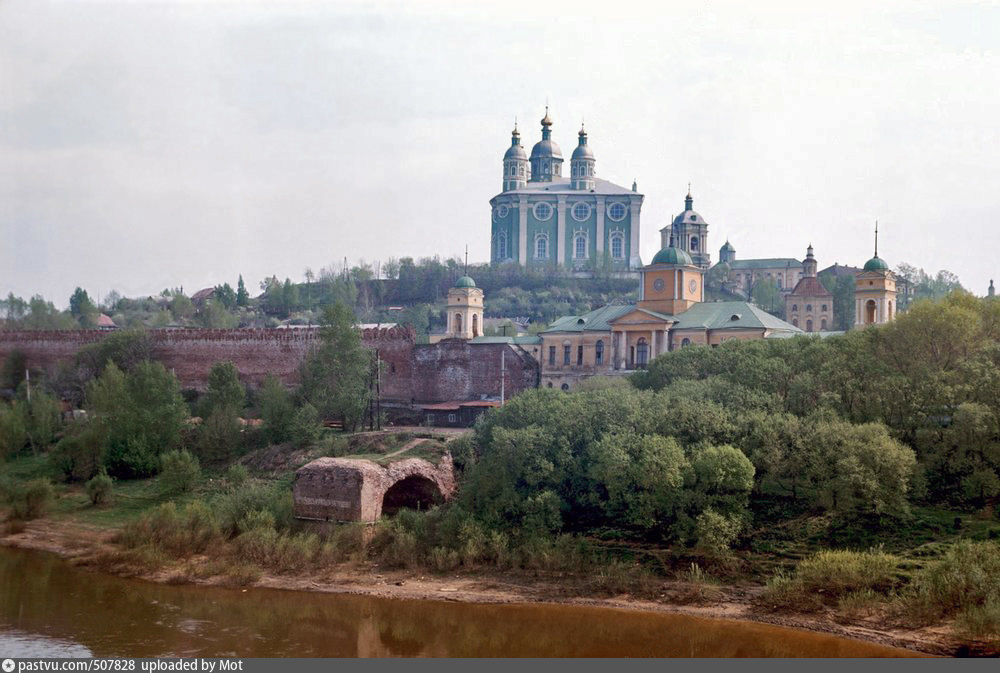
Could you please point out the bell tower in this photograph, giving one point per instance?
(874, 292)
(672, 283)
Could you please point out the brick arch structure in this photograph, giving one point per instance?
(349, 489)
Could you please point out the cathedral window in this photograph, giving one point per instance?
(685, 342)
(795, 307)
(809, 307)
(641, 354)
(458, 323)
(543, 211)
(579, 356)
(541, 246)
(581, 211)
(822, 325)
(599, 352)
(552, 355)
(694, 244)
(502, 246)
(580, 246)
(809, 325)
(616, 211)
(617, 246)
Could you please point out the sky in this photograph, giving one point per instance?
(147, 145)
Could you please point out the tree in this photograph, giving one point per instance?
(276, 410)
(144, 413)
(765, 294)
(842, 289)
(14, 366)
(242, 296)
(82, 308)
(224, 389)
(336, 374)
(225, 295)
(14, 308)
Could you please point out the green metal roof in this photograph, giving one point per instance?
(876, 263)
(672, 255)
(772, 263)
(730, 314)
(465, 281)
(594, 321)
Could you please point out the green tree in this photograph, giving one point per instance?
(144, 413)
(242, 296)
(224, 389)
(765, 294)
(842, 289)
(336, 374)
(82, 308)
(43, 420)
(14, 367)
(277, 410)
(225, 295)
(13, 429)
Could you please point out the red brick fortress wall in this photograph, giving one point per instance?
(448, 370)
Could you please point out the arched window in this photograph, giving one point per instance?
(475, 325)
(809, 307)
(685, 342)
(809, 325)
(822, 325)
(870, 312)
(458, 323)
(550, 384)
(795, 307)
(502, 245)
(779, 281)
(694, 244)
(824, 307)
(541, 246)
(617, 246)
(599, 352)
(580, 246)
(641, 353)
(795, 322)
(890, 310)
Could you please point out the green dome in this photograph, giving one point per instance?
(465, 281)
(672, 255)
(876, 263)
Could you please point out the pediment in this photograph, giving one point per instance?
(640, 317)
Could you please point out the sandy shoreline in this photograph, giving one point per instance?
(733, 602)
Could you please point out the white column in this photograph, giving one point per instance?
(634, 244)
(522, 230)
(560, 246)
(600, 226)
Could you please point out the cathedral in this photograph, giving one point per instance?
(577, 222)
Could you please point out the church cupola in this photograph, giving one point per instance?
(546, 157)
(515, 163)
(581, 165)
(727, 253)
(689, 232)
(689, 200)
(809, 264)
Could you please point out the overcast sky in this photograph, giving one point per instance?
(145, 146)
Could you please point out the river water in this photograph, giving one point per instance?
(49, 608)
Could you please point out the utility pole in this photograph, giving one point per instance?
(503, 368)
(27, 378)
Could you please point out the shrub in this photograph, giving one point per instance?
(826, 576)
(966, 579)
(716, 532)
(233, 507)
(220, 435)
(276, 410)
(99, 488)
(305, 427)
(236, 475)
(13, 430)
(80, 454)
(179, 471)
(184, 531)
(29, 500)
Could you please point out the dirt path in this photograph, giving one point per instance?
(83, 543)
(406, 447)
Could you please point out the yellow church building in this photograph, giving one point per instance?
(671, 313)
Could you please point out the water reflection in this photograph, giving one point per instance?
(51, 607)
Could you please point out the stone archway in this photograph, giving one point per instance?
(348, 489)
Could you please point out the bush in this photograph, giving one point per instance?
(29, 500)
(276, 410)
(179, 471)
(305, 427)
(716, 532)
(99, 488)
(234, 507)
(13, 430)
(826, 576)
(966, 579)
(220, 435)
(80, 454)
(236, 475)
(190, 530)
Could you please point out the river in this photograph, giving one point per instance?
(50, 608)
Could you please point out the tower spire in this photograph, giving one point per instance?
(466, 259)
(876, 238)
